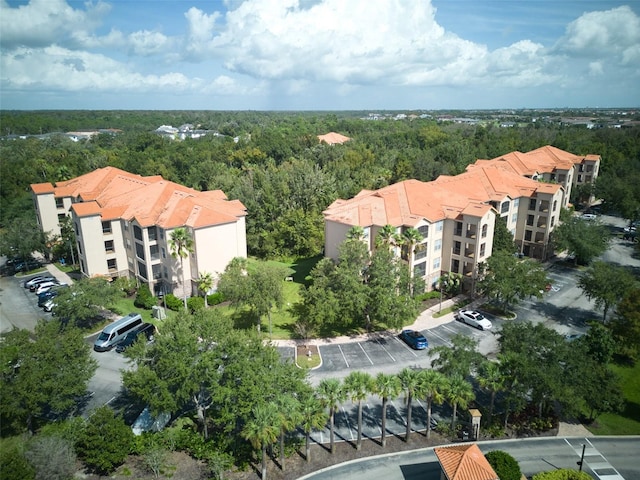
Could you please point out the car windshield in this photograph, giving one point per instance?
(103, 336)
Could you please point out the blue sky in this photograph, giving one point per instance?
(319, 54)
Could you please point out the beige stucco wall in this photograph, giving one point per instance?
(335, 233)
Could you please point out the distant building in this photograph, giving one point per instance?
(456, 214)
(123, 223)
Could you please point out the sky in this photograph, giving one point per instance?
(319, 54)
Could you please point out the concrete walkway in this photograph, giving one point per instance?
(59, 274)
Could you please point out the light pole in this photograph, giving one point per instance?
(581, 458)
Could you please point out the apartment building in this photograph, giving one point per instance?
(123, 224)
(456, 214)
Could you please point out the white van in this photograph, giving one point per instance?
(116, 332)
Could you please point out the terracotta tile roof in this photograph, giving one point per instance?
(333, 138)
(464, 462)
(152, 200)
(41, 188)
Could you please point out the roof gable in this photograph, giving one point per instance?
(464, 462)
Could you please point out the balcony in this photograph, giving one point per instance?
(470, 253)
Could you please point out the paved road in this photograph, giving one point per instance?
(606, 458)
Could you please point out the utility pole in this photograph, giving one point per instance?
(581, 458)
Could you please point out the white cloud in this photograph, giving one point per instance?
(57, 68)
(598, 34)
(43, 22)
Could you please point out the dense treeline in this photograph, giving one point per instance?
(276, 167)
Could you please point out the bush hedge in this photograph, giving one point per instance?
(505, 466)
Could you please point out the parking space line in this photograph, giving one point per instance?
(453, 330)
(406, 346)
(378, 424)
(441, 338)
(380, 343)
(346, 418)
(345, 358)
(363, 351)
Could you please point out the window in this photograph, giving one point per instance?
(458, 230)
(439, 226)
(153, 233)
(137, 232)
(139, 250)
(561, 178)
(106, 227)
(436, 263)
(529, 220)
(504, 208)
(112, 265)
(164, 253)
(532, 204)
(59, 202)
(455, 266)
(437, 246)
(516, 203)
(126, 226)
(421, 252)
(154, 250)
(579, 178)
(108, 246)
(61, 217)
(527, 235)
(79, 248)
(142, 270)
(589, 168)
(420, 269)
(75, 227)
(484, 230)
(552, 221)
(157, 271)
(514, 218)
(555, 205)
(424, 231)
(482, 249)
(127, 244)
(587, 178)
(456, 248)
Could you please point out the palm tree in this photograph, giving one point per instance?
(387, 387)
(290, 417)
(205, 284)
(411, 237)
(262, 430)
(491, 377)
(433, 386)
(181, 245)
(313, 417)
(331, 393)
(386, 236)
(358, 385)
(459, 393)
(355, 233)
(410, 382)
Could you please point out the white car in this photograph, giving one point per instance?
(473, 318)
(49, 305)
(46, 286)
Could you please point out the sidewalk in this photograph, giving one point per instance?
(59, 274)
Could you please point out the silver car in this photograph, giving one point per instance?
(473, 318)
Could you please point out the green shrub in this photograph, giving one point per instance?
(105, 441)
(428, 295)
(13, 464)
(195, 303)
(125, 284)
(562, 474)
(215, 298)
(173, 303)
(144, 299)
(505, 466)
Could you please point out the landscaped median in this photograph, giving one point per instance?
(308, 356)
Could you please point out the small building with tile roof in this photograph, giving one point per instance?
(123, 223)
(464, 462)
(456, 214)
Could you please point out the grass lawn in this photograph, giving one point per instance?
(628, 421)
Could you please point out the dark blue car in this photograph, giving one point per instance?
(414, 339)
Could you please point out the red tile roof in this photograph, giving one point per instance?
(464, 462)
(151, 200)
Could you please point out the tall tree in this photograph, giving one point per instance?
(607, 284)
(491, 378)
(290, 416)
(585, 240)
(358, 385)
(205, 284)
(46, 372)
(312, 417)
(332, 393)
(410, 381)
(262, 431)
(506, 279)
(459, 394)
(181, 245)
(625, 325)
(433, 385)
(387, 387)
(461, 358)
(503, 238)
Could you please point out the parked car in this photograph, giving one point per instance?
(46, 286)
(49, 305)
(588, 216)
(147, 329)
(414, 339)
(44, 297)
(34, 285)
(473, 318)
(36, 279)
